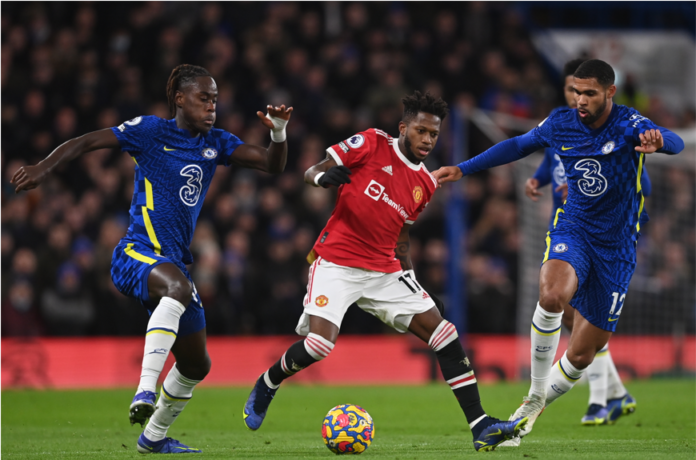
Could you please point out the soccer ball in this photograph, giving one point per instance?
(348, 429)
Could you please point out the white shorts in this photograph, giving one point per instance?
(391, 297)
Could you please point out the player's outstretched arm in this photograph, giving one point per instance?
(502, 153)
(30, 177)
(273, 158)
(327, 173)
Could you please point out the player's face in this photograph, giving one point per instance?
(420, 136)
(569, 92)
(592, 99)
(198, 103)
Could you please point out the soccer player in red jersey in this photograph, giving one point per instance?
(362, 256)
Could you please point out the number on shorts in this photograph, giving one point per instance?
(408, 285)
(619, 300)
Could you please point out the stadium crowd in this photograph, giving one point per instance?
(71, 68)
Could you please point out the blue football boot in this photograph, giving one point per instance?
(257, 404)
(596, 415)
(620, 406)
(164, 446)
(142, 407)
(497, 432)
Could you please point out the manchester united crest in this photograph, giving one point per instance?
(322, 301)
(418, 194)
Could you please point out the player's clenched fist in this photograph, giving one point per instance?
(337, 175)
(448, 174)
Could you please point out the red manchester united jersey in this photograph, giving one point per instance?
(386, 192)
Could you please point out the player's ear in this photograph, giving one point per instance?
(179, 99)
(611, 91)
(402, 128)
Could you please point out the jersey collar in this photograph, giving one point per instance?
(403, 158)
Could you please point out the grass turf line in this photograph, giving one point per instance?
(410, 423)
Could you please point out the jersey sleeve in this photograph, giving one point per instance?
(355, 150)
(227, 144)
(635, 125)
(543, 172)
(134, 135)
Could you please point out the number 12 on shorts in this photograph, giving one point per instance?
(413, 289)
(618, 298)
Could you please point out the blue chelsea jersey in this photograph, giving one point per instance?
(172, 174)
(602, 170)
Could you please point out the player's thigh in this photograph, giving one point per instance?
(565, 267)
(603, 295)
(131, 265)
(395, 299)
(331, 289)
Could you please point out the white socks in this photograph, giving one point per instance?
(161, 334)
(597, 374)
(177, 390)
(546, 332)
(563, 377)
(615, 388)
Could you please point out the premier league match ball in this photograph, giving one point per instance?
(348, 429)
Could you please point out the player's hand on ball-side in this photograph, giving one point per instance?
(531, 189)
(336, 175)
(277, 112)
(28, 177)
(563, 188)
(650, 141)
(448, 174)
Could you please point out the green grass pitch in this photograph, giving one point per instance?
(422, 422)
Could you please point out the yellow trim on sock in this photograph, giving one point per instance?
(557, 331)
(570, 379)
(160, 331)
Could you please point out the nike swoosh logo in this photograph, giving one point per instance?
(610, 320)
(564, 148)
(168, 150)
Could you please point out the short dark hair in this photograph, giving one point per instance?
(418, 102)
(571, 66)
(599, 70)
(181, 75)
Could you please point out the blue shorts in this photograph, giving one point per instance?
(604, 273)
(131, 265)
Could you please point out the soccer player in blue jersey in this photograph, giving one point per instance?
(591, 251)
(608, 396)
(174, 164)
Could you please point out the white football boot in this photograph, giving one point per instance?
(532, 407)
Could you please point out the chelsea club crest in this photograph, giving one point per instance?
(608, 147)
(209, 153)
(560, 247)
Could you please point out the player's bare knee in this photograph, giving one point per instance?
(195, 371)
(180, 290)
(553, 301)
(581, 360)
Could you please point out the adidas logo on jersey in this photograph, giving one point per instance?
(388, 169)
